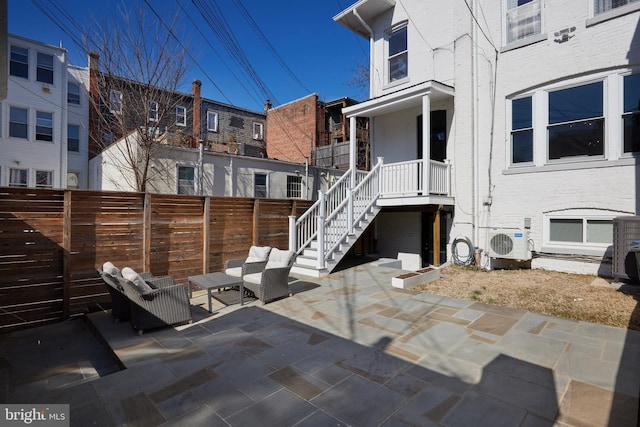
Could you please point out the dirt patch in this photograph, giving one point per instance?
(571, 296)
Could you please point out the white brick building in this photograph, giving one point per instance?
(530, 107)
(43, 127)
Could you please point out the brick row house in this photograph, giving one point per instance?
(511, 127)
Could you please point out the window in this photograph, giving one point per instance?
(17, 177)
(258, 131)
(107, 138)
(44, 126)
(181, 116)
(73, 93)
(44, 71)
(524, 19)
(581, 231)
(19, 62)
(18, 122)
(602, 6)
(153, 111)
(398, 55)
(73, 138)
(576, 122)
(631, 113)
(212, 121)
(186, 180)
(44, 179)
(294, 187)
(522, 130)
(260, 188)
(115, 102)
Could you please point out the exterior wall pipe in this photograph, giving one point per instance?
(474, 115)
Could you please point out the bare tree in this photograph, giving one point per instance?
(360, 80)
(136, 106)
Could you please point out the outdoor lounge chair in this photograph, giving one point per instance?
(253, 263)
(273, 281)
(155, 302)
(120, 307)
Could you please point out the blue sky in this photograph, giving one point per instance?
(320, 54)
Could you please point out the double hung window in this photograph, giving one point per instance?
(602, 6)
(212, 121)
(522, 130)
(524, 19)
(258, 131)
(19, 62)
(153, 111)
(115, 101)
(73, 93)
(73, 138)
(186, 180)
(631, 113)
(44, 70)
(398, 54)
(18, 177)
(18, 122)
(181, 116)
(44, 126)
(260, 186)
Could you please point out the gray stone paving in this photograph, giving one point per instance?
(347, 349)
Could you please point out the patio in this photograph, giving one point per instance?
(347, 349)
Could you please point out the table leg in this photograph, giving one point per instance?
(241, 293)
(190, 291)
(209, 291)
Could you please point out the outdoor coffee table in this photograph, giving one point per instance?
(216, 280)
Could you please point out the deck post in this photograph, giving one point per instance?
(426, 144)
(292, 233)
(353, 149)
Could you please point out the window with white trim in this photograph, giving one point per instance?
(19, 62)
(153, 111)
(581, 231)
(258, 131)
(18, 177)
(523, 19)
(181, 116)
(73, 93)
(576, 122)
(115, 101)
(186, 180)
(631, 113)
(44, 126)
(44, 69)
(398, 58)
(522, 130)
(212, 121)
(73, 138)
(260, 185)
(44, 179)
(294, 186)
(602, 6)
(18, 122)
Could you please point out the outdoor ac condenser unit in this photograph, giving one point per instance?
(626, 229)
(509, 244)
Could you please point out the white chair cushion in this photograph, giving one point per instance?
(258, 253)
(109, 268)
(255, 278)
(234, 271)
(133, 277)
(279, 258)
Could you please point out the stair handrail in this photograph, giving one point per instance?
(371, 178)
(306, 226)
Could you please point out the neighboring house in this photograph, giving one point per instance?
(313, 131)
(507, 123)
(184, 170)
(43, 132)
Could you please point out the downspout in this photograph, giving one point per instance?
(475, 122)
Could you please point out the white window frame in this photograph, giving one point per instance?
(607, 6)
(179, 181)
(257, 188)
(115, 101)
(212, 121)
(294, 187)
(153, 111)
(521, 130)
(73, 97)
(24, 173)
(401, 26)
(40, 125)
(258, 131)
(181, 115)
(12, 60)
(49, 176)
(524, 9)
(45, 67)
(585, 247)
(26, 124)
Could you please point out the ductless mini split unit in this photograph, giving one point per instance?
(509, 243)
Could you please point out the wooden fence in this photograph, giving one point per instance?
(52, 241)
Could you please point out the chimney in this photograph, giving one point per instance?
(197, 128)
(267, 105)
(94, 104)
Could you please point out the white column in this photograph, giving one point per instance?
(293, 246)
(426, 143)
